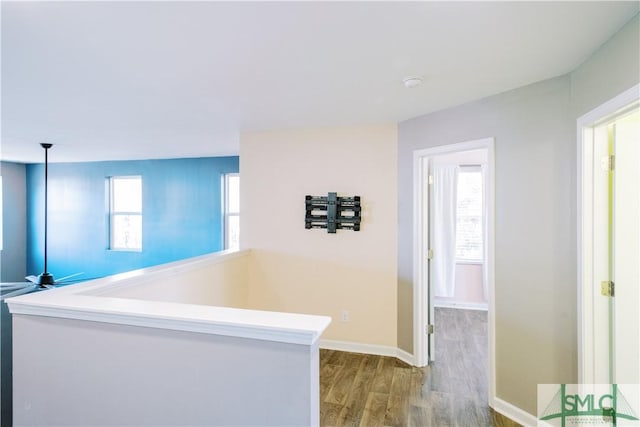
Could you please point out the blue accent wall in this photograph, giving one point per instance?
(181, 214)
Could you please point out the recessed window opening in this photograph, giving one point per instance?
(469, 217)
(232, 211)
(125, 213)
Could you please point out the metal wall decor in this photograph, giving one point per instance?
(332, 212)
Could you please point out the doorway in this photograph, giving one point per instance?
(423, 254)
(609, 241)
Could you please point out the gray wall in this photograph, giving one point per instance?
(13, 261)
(614, 68)
(13, 258)
(534, 232)
(535, 200)
(76, 373)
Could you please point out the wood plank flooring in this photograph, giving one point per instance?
(369, 391)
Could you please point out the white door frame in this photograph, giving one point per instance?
(586, 362)
(420, 291)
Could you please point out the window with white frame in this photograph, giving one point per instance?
(469, 215)
(231, 211)
(125, 213)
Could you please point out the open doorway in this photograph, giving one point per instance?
(457, 228)
(473, 157)
(609, 241)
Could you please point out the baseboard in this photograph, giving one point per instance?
(378, 350)
(462, 305)
(514, 413)
(405, 357)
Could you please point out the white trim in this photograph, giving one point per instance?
(405, 357)
(378, 350)
(610, 107)
(223, 324)
(461, 261)
(226, 213)
(419, 296)
(585, 371)
(462, 305)
(113, 213)
(420, 300)
(514, 413)
(93, 301)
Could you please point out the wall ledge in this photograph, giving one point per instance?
(88, 301)
(135, 277)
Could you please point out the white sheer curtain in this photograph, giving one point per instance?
(443, 231)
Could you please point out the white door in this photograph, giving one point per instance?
(611, 249)
(625, 136)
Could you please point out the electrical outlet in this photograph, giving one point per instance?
(345, 316)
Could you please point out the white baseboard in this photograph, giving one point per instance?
(378, 350)
(405, 357)
(513, 412)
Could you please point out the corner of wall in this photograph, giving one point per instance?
(609, 71)
(13, 257)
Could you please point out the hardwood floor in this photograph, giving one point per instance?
(368, 391)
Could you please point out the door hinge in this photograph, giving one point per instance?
(430, 180)
(430, 254)
(429, 329)
(608, 163)
(607, 288)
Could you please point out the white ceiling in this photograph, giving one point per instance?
(137, 80)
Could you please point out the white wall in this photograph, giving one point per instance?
(79, 373)
(218, 281)
(311, 271)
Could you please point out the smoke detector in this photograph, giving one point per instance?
(410, 82)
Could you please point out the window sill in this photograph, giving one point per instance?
(469, 261)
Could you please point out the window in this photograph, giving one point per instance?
(469, 218)
(231, 211)
(125, 213)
